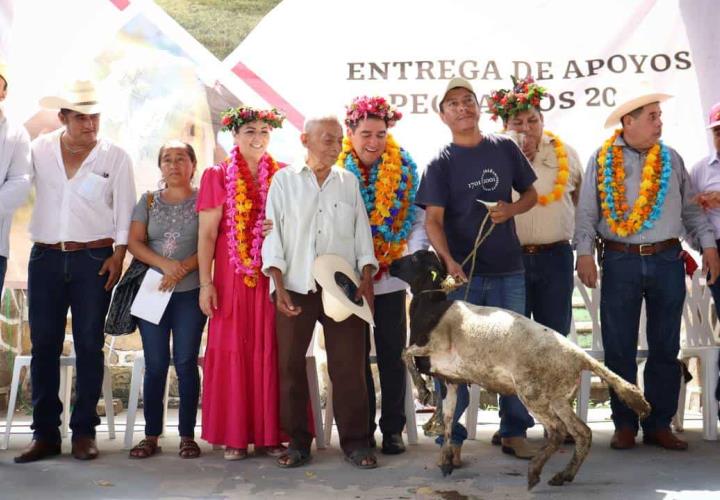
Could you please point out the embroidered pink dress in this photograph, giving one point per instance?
(240, 372)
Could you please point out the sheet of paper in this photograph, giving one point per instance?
(150, 303)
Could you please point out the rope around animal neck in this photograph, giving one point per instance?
(479, 240)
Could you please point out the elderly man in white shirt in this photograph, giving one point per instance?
(85, 197)
(317, 209)
(14, 173)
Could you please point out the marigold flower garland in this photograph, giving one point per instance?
(563, 173)
(245, 210)
(506, 103)
(388, 190)
(654, 182)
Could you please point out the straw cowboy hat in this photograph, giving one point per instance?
(631, 105)
(339, 284)
(80, 96)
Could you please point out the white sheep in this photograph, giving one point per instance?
(504, 352)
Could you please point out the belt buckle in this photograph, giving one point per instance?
(649, 246)
(531, 249)
(62, 246)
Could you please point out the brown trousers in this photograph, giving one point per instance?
(345, 345)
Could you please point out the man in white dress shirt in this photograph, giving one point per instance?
(317, 209)
(14, 173)
(80, 222)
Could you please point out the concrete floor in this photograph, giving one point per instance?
(642, 473)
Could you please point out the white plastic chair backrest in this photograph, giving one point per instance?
(591, 298)
(316, 334)
(111, 348)
(698, 312)
(573, 332)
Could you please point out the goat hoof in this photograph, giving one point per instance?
(446, 469)
(558, 479)
(533, 479)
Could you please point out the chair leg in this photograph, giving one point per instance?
(66, 374)
(108, 398)
(12, 402)
(678, 420)
(165, 403)
(133, 397)
(709, 361)
(583, 398)
(329, 415)
(410, 421)
(314, 390)
(471, 413)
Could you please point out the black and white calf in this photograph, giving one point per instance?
(504, 352)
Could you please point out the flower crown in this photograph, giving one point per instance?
(376, 106)
(234, 118)
(525, 94)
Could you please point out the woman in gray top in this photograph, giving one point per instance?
(164, 235)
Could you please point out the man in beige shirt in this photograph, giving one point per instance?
(544, 231)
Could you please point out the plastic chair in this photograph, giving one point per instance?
(592, 303)
(136, 384)
(700, 340)
(67, 364)
(410, 421)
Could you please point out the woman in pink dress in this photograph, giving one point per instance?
(240, 386)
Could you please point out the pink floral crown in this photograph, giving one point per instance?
(234, 118)
(506, 103)
(376, 107)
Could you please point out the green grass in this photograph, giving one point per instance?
(220, 25)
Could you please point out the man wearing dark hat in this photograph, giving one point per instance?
(637, 199)
(14, 172)
(79, 226)
(475, 169)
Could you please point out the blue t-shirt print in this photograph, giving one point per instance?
(457, 178)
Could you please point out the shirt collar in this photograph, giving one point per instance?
(715, 159)
(302, 166)
(298, 167)
(620, 141)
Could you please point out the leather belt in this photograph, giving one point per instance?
(533, 249)
(643, 248)
(74, 246)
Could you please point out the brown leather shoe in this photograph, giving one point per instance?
(664, 438)
(37, 450)
(84, 448)
(623, 439)
(519, 447)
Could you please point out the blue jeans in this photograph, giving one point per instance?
(186, 321)
(58, 281)
(627, 280)
(507, 292)
(3, 270)
(549, 287)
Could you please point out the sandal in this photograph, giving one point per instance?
(189, 448)
(145, 449)
(294, 457)
(273, 451)
(361, 455)
(233, 454)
